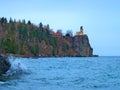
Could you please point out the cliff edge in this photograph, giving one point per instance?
(82, 46)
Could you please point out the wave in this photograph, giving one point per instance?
(16, 69)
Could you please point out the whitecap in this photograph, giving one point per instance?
(17, 67)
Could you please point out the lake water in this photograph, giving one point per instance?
(67, 73)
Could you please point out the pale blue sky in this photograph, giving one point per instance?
(100, 18)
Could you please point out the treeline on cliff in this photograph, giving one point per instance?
(25, 38)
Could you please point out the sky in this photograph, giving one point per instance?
(100, 19)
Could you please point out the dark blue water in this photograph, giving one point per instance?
(69, 73)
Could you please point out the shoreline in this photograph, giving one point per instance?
(24, 56)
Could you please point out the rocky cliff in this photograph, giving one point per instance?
(82, 46)
(26, 39)
(4, 65)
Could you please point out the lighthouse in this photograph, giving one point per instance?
(81, 32)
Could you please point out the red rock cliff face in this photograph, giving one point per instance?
(74, 46)
(82, 46)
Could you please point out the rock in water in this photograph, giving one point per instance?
(4, 65)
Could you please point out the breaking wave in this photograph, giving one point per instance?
(17, 69)
(17, 66)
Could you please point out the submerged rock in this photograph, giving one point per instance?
(4, 65)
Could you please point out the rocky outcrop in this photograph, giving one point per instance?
(26, 39)
(82, 46)
(4, 65)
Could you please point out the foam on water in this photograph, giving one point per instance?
(17, 67)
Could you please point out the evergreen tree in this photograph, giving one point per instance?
(23, 21)
(41, 26)
(69, 33)
(10, 21)
(29, 22)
